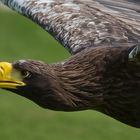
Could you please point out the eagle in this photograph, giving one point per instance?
(103, 72)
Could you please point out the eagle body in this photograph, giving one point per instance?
(103, 72)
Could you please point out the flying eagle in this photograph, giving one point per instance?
(103, 72)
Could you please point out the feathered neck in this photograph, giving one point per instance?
(81, 80)
(103, 81)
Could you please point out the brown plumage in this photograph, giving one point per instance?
(96, 82)
(104, 71)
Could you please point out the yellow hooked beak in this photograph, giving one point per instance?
(9, 77)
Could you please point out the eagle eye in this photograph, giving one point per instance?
(25, 74)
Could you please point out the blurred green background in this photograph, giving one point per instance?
(20, 119)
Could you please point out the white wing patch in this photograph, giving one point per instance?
(69, 5)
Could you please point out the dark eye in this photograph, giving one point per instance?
(25, 74)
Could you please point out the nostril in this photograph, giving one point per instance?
(1, 68)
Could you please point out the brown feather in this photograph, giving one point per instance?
(99, 76)
(102, 79)
(93, 80)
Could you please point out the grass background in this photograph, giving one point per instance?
(20, 119)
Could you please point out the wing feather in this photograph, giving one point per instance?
(79, 24)
(126, 10)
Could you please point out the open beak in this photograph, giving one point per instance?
(9, 77)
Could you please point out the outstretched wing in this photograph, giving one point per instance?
(79, 24)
